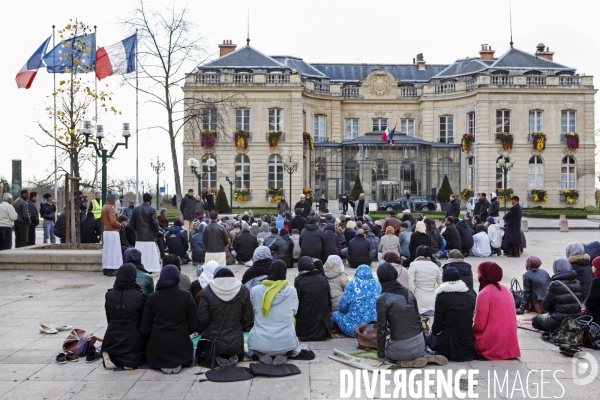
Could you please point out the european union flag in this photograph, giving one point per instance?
(75, 54)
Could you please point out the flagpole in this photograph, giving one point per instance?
(54, 113)
(137, 176)
(96, 110)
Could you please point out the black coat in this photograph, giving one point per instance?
(168, 320)
(535, 286)
(332, 245)
(494, 209)
(297, 222)
(416, 239)
(466, 235)
(209, 199)
(581, 265)
(436, 238)
(558, 302)
(313, 319)
(188, 207)
(215, 238)
(60, 227)
(177, 241)
(238, 314)
(512, 225)
(398, 313)
(312, 241)
(453, 325)
(306, 206)
(90, 230)
(593, 300)
(453, 209)
(484, 207)
(47, 211)
(323, 204)
(145, 223)
(244, 245)
(465, 271)
(123, 340)
(283, 249)
(259, 268)
(358, 252)
(33, 213)
(452, 236)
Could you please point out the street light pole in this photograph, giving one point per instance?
(238, 177)
(100, 150)
(290, 167)
(158, 167)
(505, 164)
(194, 163)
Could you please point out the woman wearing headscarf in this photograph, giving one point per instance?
(224, 312)
(397, 310)
(392, 258)
(495, 323)
(124, 345)
(338, 279)
(274, 303)
(357, 304)
(168, 320)
(203, 280)
(580, 262)
(558, 301)
(481, 243)
(593, 300)
(262, 260)
(143, 278)
(452, 334)
(424, 276)
(535, 286)
(389, 243)
(313, 319)
(417, 239)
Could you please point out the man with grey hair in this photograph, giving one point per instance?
(360, 206)
(112, 258)
(8, 215)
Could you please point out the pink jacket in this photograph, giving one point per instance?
(495, 325)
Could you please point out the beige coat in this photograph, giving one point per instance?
(338, 280)
(389, 243)
(423, 278)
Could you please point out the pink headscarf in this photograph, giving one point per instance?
(596, 264)
(532, 263)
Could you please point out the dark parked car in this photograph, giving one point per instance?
(400, 204)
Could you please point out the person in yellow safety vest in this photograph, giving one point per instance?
(96, 206)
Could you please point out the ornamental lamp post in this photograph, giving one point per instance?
(194, 164)
(157, 167)
(99, 148)
(238, 177)
(505, 164)
(290, 166)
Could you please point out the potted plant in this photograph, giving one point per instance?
(207, 138)
(466, 142)
(443, 195)
(465, 194)
(571, 195)
(539, 140)
(274, 137)
(507, 140)
(241, 195)
(505, 195)
(307, 138)
(572, 140)
(241, 139)
(539, 195)
(274, 194)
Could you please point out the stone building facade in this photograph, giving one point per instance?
(345, 108)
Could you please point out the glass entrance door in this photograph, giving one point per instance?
(387, 191)
(332, 190)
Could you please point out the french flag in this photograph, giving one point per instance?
(118, 59)
(391, 136)
(385, 135)
(26, 74)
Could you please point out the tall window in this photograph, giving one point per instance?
(320, 173)
(275, 172)
(446, 129)
(500, 176)
(407, 125)
(380, 124)
(350, 128)
(320, 128)
(536, 122)
(567, 123)
(471, 172)
(536, 173)
(242, 163)
(568, 173)
(209, 119)
(445, 169)
(502, 120)
(275, 119)
(210, 179)
(471, 124)
(242, 119)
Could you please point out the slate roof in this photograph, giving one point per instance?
(515, 58)
(299, 65)
(356, 72)
(463, 67)
(244, 57)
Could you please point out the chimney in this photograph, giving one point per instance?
(421, 62)
(544, 52)
(226, 48)
(486, 52)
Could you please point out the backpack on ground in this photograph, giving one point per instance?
(591, 332)
(570, 335)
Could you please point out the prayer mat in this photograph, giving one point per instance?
(357, 362)
(524, 322)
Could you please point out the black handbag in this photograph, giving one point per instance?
(591, 332)
(206, 349)
(517, 292)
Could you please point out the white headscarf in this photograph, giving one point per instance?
(334, 261)
(207, 275)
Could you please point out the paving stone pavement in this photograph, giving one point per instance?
(28, 369)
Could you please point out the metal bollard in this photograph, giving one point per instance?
(564, 225)
(524, 225)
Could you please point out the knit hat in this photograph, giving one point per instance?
(329, 227)
(450, 274)
(111, 197)
(351, 225)
(147, 197)
(491, 220)
(177, 222)
(245, 227)
(196, 224)
(455, 253)
(283, 232)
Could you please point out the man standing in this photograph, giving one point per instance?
(477, 206)
(23, 219)
(8, 215)
(48, 214)
(282, 206)
(119, 205)
(112, 257)
(512, 227)
(484, 205)
(128, 211)
(215, 239)
(323, 203)
(303, 206)
(209, 200)
(453, 208)
(494, 209)
(35, 218)
(361, 207)
(344, 199)
(145, 223)
(96, 205)
(188, 211)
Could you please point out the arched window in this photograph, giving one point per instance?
(242, 163)
(275, 172)
(500, 176)
(471, 172)
(536, 173)
(210, 179)
(568, 173)
(320, 175)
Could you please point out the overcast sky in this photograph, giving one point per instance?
(317, 31)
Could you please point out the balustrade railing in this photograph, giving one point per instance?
(446, 87)
(321, 87)
(350, 91)
(408, 92)
(536, 80)
(243, 78)
(472, 84)
(570, 80)
(278, 78)
(501, 80)
(208, 79)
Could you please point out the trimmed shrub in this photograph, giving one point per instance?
(221, 205)
(357, 189)
(443, 195)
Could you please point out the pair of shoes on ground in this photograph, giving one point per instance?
(420, 362)
(224, 362)
(267, 359)
(93, 355)
(54, 329)
(171, 370)
(62, 358)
